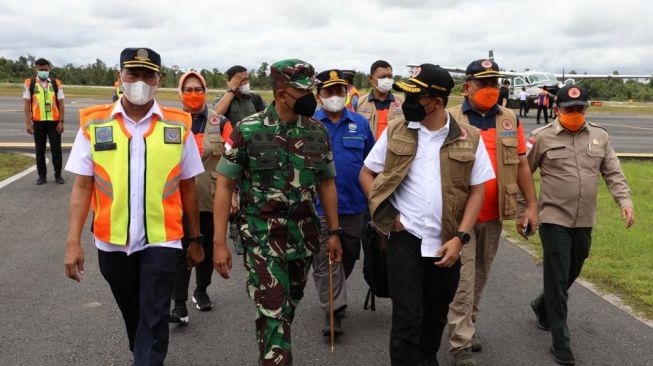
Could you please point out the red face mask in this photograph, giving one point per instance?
(193, 101)
(486, 98)
(572, 121)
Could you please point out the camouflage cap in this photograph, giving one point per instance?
(296, 73)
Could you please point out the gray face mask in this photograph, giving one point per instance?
(139, 93)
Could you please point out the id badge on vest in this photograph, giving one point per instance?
(48, 107)
(172, 135)
(104, 139)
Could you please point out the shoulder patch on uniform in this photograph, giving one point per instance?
(595, 125)
(538, 130)
(95, 109)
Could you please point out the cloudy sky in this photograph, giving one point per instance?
(595, 36)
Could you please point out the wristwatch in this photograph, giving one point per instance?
(197, 239)
(464, 237)
(337, 231)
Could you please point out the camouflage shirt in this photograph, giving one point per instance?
(279, 165)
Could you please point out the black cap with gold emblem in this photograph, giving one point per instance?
(426, 78)
(481, 69)
(140, 57)
(330, 77)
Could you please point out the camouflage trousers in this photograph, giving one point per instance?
(276, 286)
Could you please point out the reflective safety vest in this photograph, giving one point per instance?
(117, 86)
(353, 92)
(110, 143)
(45, 106)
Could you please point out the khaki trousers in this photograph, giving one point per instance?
(476, 259)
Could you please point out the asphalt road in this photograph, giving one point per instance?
(48, 319)
(629, 134)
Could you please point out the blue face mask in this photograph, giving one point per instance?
(43, 74)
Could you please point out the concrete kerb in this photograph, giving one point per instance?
(611, 298)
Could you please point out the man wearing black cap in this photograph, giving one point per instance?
(238, 101)
(424, 179)
(503, 138)
(571, 153)
(351, 140)
(136, 165)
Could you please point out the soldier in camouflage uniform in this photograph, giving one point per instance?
(282, 158)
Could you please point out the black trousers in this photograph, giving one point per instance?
(203, 271)
(141, 284)
(565, 250)
(523, 108)
(44, 130)
(541, 108)
(421, 294)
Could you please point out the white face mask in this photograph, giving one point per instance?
(384, 85)
(139, 92)
(333, 104)
(244, 89)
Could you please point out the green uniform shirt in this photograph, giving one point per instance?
(278, 165)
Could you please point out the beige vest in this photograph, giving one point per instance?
(456, 160)
(213, 150)
(368, 110)
(507, 158)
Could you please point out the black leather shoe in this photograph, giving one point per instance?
(337, 326)
(563, 356)
(40, 181)
(541, 322)
(59, 180)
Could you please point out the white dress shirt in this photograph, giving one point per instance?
(80, 162)
(419, 196)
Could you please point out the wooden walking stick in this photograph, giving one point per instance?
(333, 337)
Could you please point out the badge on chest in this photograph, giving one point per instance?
(104, 139)
(172, 135)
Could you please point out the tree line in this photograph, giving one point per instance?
(99, 73)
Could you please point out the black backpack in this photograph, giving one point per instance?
(375, 266)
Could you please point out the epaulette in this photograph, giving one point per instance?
(538, 130)
(176, 114)
(94, 109)
(595, 125)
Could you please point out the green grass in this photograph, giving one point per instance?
(621, 260)
(11, 164)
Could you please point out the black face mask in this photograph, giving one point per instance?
(305, 105)
(413, 110)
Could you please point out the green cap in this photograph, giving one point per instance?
(296, 73)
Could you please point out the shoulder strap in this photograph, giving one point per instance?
(32, 85)
(55, 86)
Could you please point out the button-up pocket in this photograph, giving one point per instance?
(510, 152)
(462, 162)
(353, 142)
(559, 152)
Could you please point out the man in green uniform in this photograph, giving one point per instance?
(281, 158)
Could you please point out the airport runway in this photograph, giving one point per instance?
(48, 319)
(629, 134)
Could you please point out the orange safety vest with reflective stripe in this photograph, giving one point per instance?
(350, 98)
(45, 106)
(110, 142)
